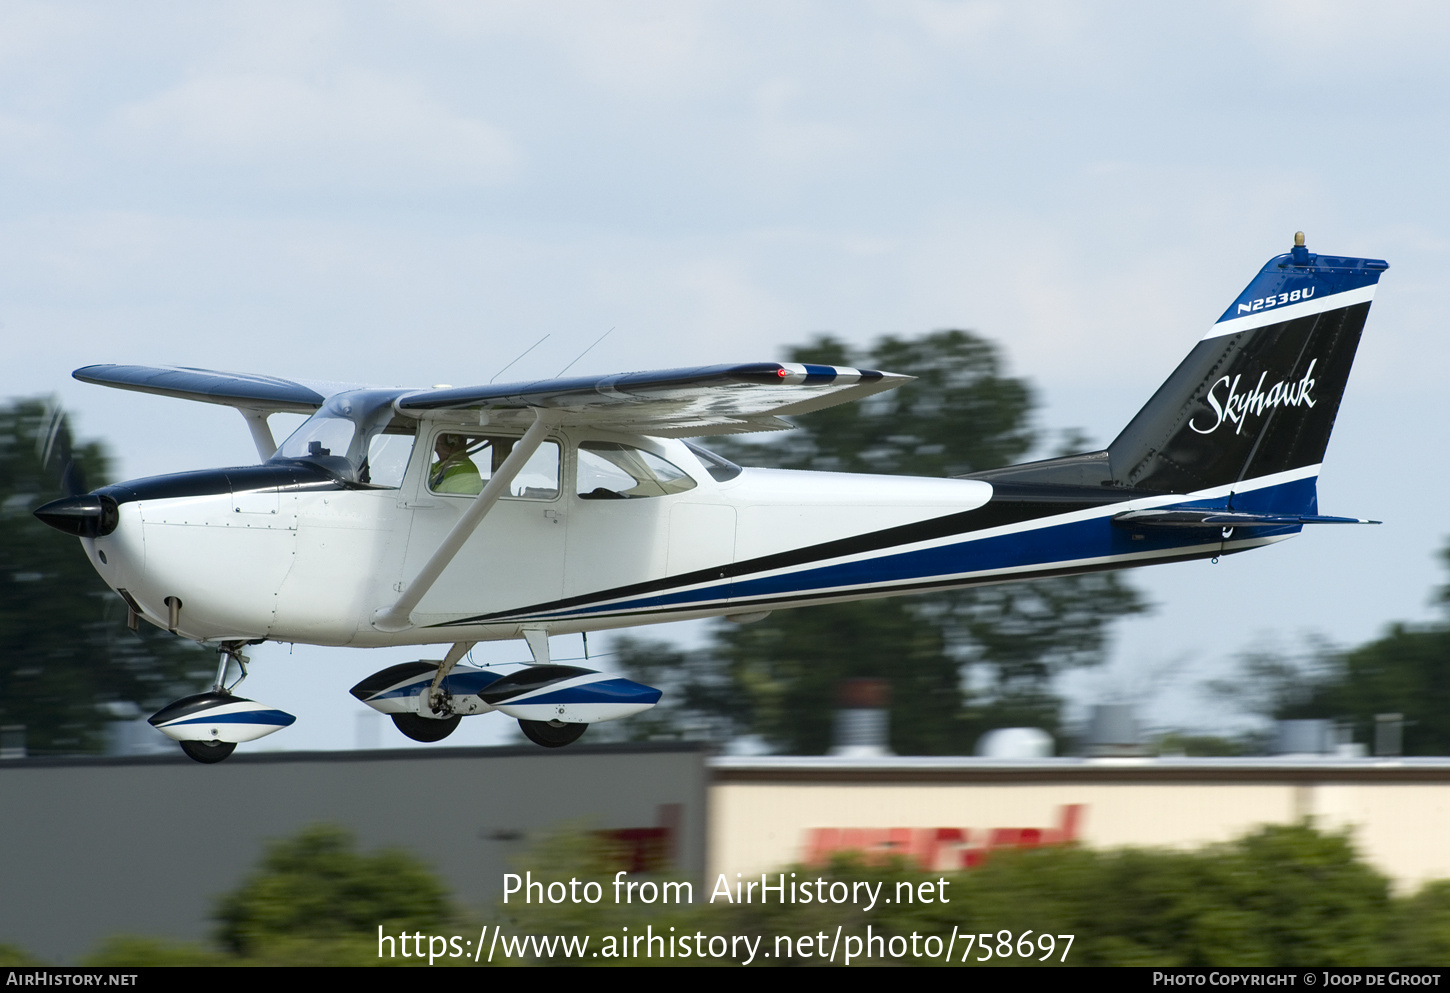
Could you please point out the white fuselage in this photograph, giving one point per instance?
(313, 565)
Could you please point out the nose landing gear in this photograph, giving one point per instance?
(209, 725)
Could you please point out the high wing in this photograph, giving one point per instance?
(678, 403)
(231, 389)
(254, 397)
(669, 403)
(673, 403)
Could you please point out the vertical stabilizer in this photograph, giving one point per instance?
(1259, 393)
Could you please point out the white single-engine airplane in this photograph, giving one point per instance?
(459, 515)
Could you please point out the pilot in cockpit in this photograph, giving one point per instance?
(452, 470)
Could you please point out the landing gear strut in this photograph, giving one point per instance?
(215, 751)
(438, 700)
(230, 651)
(210, 752)
(553, 703)
(209, 725)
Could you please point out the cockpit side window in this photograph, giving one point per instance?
(611, 471)
(464, 463)
(389, 452)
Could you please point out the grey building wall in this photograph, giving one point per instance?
(90, 848)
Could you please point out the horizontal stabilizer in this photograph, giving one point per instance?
(1223, 519)
(231, 389)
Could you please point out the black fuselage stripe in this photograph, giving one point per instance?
(996, 513)
(856, 593)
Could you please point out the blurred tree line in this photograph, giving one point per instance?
(958, 662)
(1282, 896)
(65, 650)
(1406, 671)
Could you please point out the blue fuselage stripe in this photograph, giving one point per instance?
(1037, 548)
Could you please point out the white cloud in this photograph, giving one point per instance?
(1313, 35)
(650, 50)
(31, 32)
(357, 130)
(789, 142)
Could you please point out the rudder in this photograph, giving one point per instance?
(1259, 393)
(1257, 396)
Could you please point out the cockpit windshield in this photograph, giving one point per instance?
(357, 436)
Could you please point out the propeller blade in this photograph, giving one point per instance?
(56, 451)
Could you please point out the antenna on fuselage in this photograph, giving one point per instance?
(521, 355)
(584, 353)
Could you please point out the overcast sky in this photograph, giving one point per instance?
(413, 193)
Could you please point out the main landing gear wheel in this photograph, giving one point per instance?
(425, 728)
(207, 751)
(552, 734)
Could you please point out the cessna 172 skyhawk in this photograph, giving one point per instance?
(458, 515)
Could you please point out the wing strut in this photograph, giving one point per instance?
(398, 617)
(261, 431)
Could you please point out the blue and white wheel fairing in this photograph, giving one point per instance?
(403, 689)
(569, 695)
(217, 716)
(551, 693)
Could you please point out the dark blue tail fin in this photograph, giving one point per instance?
(1257, 395)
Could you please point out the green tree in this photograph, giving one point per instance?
(1405, 671)
(1420, 932)
(700, 702)
(1286, 895)
(11, 956)
(777, 678)
(962, 414)
(64, 647)
(315, 889)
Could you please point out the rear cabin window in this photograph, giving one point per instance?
(610, 471)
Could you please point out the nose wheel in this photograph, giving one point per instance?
(208, 725)
(207, 751)
(213, 751)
